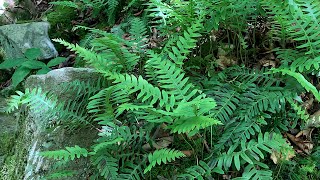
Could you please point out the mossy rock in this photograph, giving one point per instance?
(8, 128)
(36, 136)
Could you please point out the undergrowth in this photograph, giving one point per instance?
(223, 80)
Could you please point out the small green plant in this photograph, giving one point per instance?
(26, 65)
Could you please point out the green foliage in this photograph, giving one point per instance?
(162, 156)
(24, 66)
(69, 154)
(230, 119)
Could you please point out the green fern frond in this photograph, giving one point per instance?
(252, 172)
(69, 154)
(160, 10)
(302, 113)
(237, 130)
(162, 156)
(250, 151)
(111, 11)
(188, 124)
(138, 33)
(171, 78)
(255, 102)
(101, 107)
(102, 145)
(133, 84)
(184, 44)
(37, 100)
(301, 80)
(111, 47)
(131, 171)
(201, 172)
(296, 61)
(227, 101)
(107, 166)
(91, 57)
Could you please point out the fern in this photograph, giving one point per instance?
(112, 7)
(132, 171)
(251, 172)
(251, 151)
(107, 166)
(186, 125)
(184, 44)
(201, 171)
(65, 4)
(138, 33)
(301, 80)
(69, 154)
(162, 156)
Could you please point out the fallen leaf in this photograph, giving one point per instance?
(188, 153)
(159, 144)
(280, 156)
(304, 145)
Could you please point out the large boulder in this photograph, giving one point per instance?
(35, 136)
(15, 39)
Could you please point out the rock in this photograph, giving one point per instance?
(35, 136)
(15, 39)
(8, 129)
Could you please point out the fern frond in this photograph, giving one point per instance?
(227, 101)
(186, 125)
(131, 171)
(302, 113)
(94, 59)
(301, 80)
(111, 47)
(201, 172)
(184, 44)
(162, 156)
(300, 21)
(255, 102)
(237, 130)
(37, 100)
(250, 151)
(69, 154)
(111, 11)
(101, 107)
(107, 166)
(138, 33)
(252, 172)
(171, 78)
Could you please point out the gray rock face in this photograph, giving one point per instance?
(8, 129)
(36, 136)
(15, 39)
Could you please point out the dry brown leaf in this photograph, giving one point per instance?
(160, 143)
(267, 63)
(308, 104)
(314, 120)
(304, 145)
(188, 153)
(224, 62)
(277, 157)
(306, 133)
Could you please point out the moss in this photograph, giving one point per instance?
(60, 19)
(6, 142)
(13, 167)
